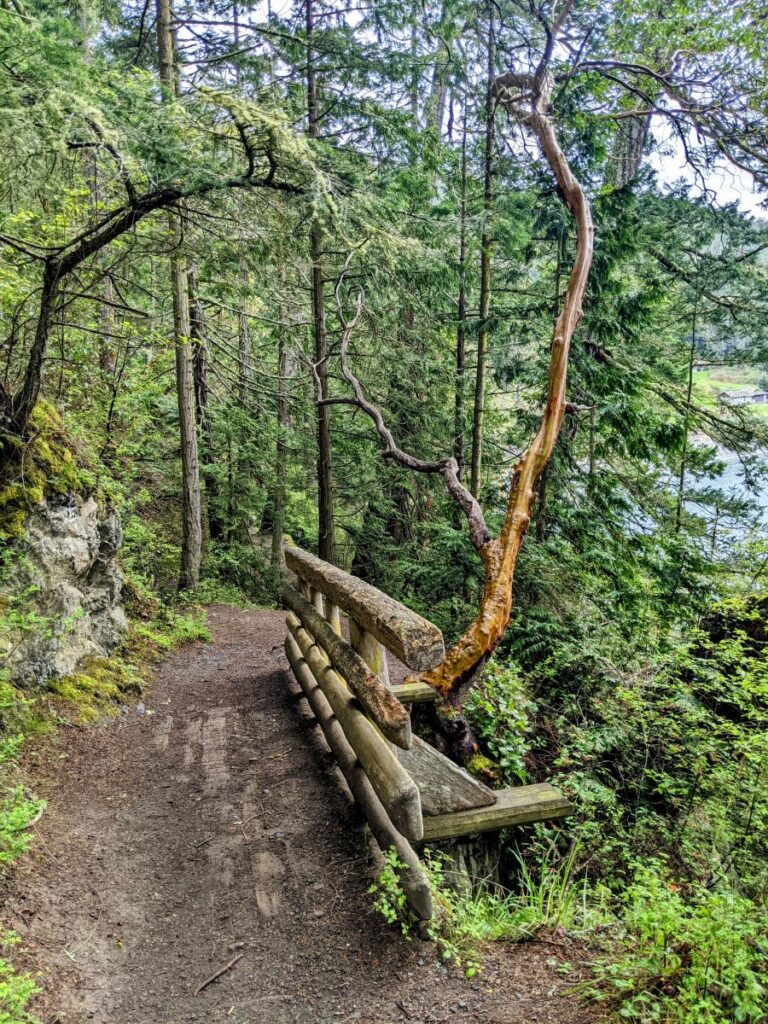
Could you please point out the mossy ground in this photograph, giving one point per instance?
(102, 685)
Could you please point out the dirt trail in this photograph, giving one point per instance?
(210, 823)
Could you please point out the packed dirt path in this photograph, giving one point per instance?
(208, 823)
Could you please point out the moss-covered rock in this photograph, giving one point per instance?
(45, 465)
(60, 584)
(99, 685)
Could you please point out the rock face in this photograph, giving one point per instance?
(70, 561)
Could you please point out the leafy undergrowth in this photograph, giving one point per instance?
(16, 988)
(467, 917)
(18, 812)
(685, 958)
(658, 954)
(99, 686)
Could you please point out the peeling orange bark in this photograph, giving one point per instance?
(469, 653)
(499, 555)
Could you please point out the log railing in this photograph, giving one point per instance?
(408, 791)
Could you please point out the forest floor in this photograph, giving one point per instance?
(207, 823)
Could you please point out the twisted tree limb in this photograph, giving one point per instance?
(527, 97)
(62, 260)
(464, 659)
(447, 468)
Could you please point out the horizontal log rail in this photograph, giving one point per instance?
(408, 791)
(378, 702)
(394, 786)
(416, 642)
(415, 693)
(413, 878)
(518, 806)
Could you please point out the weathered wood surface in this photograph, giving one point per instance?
(395, 788)
(413, 878)
(371, 650)
(443, 785)
(414, 693)
(412, 639)
(318, 601)
(516, 806)
(377, 700)
(332, 613)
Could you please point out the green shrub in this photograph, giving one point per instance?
(17, 808)
(500, 711)
(696, 958)
(464, 919)
(16, 989)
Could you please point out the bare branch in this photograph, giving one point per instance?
(447, 468)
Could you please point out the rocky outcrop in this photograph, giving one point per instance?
(69, 563)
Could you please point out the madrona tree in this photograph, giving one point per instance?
(572, 47)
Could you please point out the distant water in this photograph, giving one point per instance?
(731, 481)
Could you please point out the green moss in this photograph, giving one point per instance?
(485, 769)
(14, 505)
(148, 641)
(44, 465)
(100, 685)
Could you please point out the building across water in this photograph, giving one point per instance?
(744, 396)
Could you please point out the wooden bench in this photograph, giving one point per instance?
(409, 792)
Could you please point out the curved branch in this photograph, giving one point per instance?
(447, 468)
(467, 656)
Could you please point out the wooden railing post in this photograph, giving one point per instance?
(373, 653)
(322, 604)
(333, 614)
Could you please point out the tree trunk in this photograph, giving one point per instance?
(541, 508)
(191, 525)
(439, 90)
(486, 244)
(326, 542)
(18, 410)
(244, 353)
(592, 462)
(413, 88)
(461, 326)
(627, 149)
(202, 406)
(686, 418)
(281, 453)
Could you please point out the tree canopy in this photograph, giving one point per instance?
(449, 293)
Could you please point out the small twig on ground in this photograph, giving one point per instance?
(550, 942)
(218, 974)
(36, 818)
